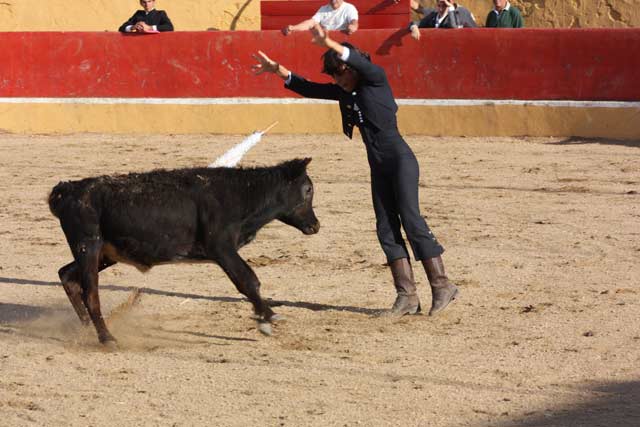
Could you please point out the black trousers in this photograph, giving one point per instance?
(394, 188)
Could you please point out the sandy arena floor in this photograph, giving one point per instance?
(542, 236)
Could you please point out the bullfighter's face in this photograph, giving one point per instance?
(346, 78)
(148, 5)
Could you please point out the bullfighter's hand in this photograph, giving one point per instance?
(320, 36)
(264, 65)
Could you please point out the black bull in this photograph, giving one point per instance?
(169, 216)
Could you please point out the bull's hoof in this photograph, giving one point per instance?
(110, 345)
(265, 328)
(273, 318)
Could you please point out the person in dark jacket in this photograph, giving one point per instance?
(447, 14)
(504, 15)
(366, 101)
(147, 20)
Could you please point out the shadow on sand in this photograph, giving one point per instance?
(150, 291)
(13, 313)
(616, 404)
(575, 140)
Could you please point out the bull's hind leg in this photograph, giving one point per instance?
(88, 258)
(70, 279)
(248, 285)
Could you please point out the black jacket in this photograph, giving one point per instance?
(373, 96)
(158, 18)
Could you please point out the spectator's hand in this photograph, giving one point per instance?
(320, 36)
(415, 32)
(264, 65)
(142, 27)
(351, 28)
(287, 30)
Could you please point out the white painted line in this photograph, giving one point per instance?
(259, 101)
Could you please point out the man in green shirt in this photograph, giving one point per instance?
(504, 15)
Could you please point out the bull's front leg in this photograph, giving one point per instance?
(248, 285)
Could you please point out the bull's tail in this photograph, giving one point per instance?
(58, 196)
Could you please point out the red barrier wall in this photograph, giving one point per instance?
(529, 64)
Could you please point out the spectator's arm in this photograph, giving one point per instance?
(424, 22)
(302, 26)
(491, 20)
(352, 27)
(127, 27)
(519, 22)
(454, 19)
(467, 18)
(165, 23)
(414, 30)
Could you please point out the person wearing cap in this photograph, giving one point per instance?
(147, 20)
(504, 15)
(366, 101)
(447, 14)
(337, 15)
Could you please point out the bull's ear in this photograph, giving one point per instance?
(297, 167)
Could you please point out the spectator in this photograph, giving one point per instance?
(147, 20)
(504, 15)
(447, 15)
(336, 15)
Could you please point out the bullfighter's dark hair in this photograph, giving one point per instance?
(331, 62)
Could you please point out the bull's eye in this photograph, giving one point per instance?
(307, 190)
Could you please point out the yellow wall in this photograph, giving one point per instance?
(469, 120)
(108, 15)
(199, 15)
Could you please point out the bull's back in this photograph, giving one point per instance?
(144, 219)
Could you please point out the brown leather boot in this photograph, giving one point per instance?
(407, 301)
(442, 291)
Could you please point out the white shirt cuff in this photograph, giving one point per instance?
(345, 53)
(287, 82)
(128, 28)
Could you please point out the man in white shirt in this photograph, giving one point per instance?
(336, 15)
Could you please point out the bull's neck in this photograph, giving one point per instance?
(260, 207)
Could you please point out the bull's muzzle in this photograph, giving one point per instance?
(311, 229)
